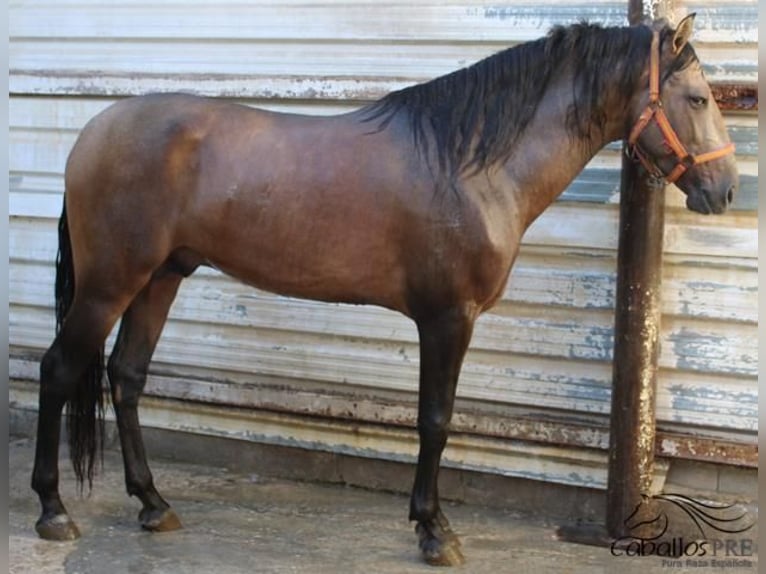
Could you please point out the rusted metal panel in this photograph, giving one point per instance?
(577, 467)
(566, 432)
(736, 97)
(706, 449)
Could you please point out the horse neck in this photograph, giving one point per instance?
(549, 156)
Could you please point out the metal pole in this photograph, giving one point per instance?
(636, 346)
(636, 330)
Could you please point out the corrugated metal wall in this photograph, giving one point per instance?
(535, 390)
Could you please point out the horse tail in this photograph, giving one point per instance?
(85, 406)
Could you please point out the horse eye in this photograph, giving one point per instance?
(698, 101)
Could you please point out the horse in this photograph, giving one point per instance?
(416, 202)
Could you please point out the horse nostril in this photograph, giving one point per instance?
(730, 195)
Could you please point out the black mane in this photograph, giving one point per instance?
(498, 96)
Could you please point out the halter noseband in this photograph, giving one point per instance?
(654, 111)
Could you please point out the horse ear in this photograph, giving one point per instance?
(683, 33)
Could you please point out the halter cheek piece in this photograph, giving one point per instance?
(654, 111)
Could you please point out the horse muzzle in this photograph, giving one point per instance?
(704, 200)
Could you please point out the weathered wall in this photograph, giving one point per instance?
(534, 395)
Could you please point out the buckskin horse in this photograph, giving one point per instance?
(416, 202)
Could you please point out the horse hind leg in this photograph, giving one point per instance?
(70, 373)
(127, 369)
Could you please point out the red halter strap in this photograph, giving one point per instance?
(654, 111)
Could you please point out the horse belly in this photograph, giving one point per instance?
(306, 248)
(325, 272)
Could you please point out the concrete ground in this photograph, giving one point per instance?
(235, 522)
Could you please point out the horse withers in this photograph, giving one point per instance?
(416, 202)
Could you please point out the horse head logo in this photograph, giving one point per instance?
(647, 521)
(675, 525)
(717, 517)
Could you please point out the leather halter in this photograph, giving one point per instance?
(654, 111)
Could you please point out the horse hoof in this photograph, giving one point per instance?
(59, 527)
(437, 553)
(159, 520)
(440, 547)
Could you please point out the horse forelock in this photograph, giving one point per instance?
(474, 117)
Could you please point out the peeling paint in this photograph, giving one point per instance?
(710, 352)
(544, 17)
(741, 407)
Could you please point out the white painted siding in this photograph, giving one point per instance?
(539, 366)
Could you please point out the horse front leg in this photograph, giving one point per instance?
(443, 343)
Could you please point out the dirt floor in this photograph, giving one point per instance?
(245, 523)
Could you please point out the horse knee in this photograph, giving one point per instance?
(433, 432)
